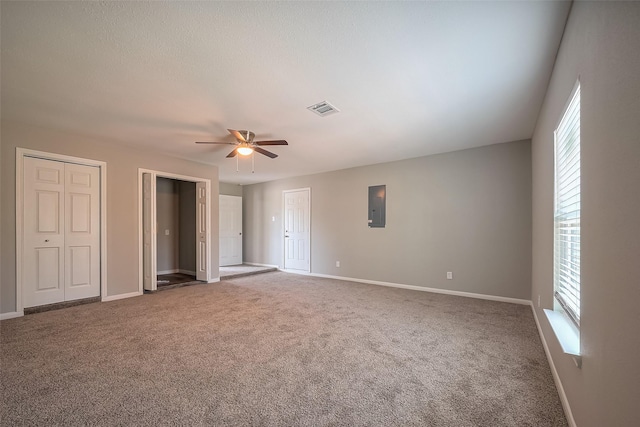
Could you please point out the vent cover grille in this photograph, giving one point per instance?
(323, 108)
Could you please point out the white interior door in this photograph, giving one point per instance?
(82, 232)
(43, 235)
(297, 225)
(149, 277)
(230, 230)
(202, 227)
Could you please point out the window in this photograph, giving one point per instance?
(566, 253)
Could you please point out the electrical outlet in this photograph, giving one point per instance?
(337, 263)
(538, 300)
(166, 232)
(449, 275)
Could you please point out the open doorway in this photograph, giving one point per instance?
(176, 231)
(175, 214)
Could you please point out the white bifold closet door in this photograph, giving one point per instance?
(61, 240)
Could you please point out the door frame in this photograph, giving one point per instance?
(284, 242)
(160, 174)
(21, 153)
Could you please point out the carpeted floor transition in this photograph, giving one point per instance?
(279, 350)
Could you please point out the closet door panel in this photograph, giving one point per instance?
(82, 231)
(43, 232)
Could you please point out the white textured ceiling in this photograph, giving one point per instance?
(410, 78)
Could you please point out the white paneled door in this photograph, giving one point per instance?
(297, 224)
(149, 275)
(202, 232)
(61, 232)
(230, 230)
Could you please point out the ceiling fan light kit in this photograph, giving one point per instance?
(244, 149)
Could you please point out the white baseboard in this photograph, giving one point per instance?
(262, 265)
(189, 272)
(214, 280)
(417, 288)
(554, 372)
(11, 315)
(121, 296)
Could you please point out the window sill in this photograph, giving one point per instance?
(567, 334)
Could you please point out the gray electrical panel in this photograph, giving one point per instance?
(377, 205)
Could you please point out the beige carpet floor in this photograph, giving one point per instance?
(278, 349)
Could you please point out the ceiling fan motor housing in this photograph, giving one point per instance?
(247, 135)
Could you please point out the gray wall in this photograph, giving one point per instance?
(601, 45)
(227, 189)
(468, 212)
(122, 199)
(168, 218)
(2, 198)
(187, 211)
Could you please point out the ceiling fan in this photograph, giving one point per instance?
(245, 145)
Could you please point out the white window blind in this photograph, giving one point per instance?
(566, 274)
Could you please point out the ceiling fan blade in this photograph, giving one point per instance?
(265, 152)
(237, 134)
(233, 153)
(211, 142)
(277, 142)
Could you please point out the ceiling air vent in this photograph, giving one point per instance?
(323, 108)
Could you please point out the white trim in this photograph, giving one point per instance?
(155, 174)
(566, 332)
(168, 271)
(11, 315)
(21, 153)
(214, 280)
(556, 378)
(417, 288)
(121, 296)
(284, 246)
(189, 272)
